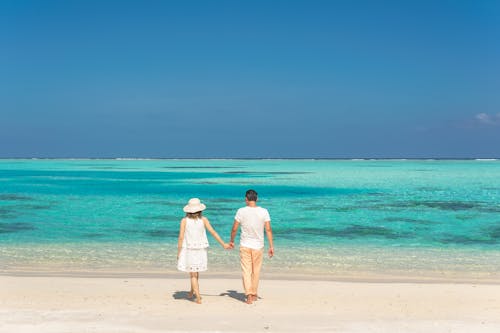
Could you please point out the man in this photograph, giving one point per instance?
(253, 220)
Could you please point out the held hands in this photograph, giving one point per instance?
(228, 246)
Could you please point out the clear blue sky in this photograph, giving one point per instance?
(250, 78)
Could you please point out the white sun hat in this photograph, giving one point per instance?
(194, 205)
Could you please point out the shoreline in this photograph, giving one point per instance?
(150, 305)
(272, 276)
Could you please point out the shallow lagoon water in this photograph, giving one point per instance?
(330, 217)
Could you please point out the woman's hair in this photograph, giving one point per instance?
(196, 215)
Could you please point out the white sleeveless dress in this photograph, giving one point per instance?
(193, 256)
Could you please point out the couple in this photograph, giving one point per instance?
(193, 243)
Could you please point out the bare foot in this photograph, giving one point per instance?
(198, 298)
(249, 299)
(190, 294)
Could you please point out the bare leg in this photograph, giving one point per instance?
(195, 286)
(191, 291)
(191, 279)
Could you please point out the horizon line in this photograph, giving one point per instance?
(250, 158)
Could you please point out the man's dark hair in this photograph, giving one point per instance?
(251, 195)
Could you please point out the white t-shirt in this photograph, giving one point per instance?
(252, 221)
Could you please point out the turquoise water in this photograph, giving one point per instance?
(333, 217)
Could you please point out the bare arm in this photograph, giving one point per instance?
(214, 233)
(269, 233)
(181, 237)
(234, 230)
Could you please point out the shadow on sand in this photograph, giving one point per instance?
(234, 294)
(182, 295)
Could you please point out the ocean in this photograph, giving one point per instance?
(331, 218)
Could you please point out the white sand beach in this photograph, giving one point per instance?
(154, 304)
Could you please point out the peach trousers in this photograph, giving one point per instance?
(251, 263)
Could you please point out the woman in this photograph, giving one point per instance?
(193, 244)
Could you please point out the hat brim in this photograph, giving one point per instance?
(194, 208)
